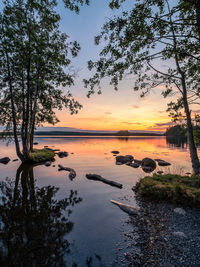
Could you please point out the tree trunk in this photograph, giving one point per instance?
(26, 139)
(18, 152)
(32, 128)
(192, 146)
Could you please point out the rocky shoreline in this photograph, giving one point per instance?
(164, 237)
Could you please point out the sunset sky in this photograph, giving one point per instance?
(121, 110)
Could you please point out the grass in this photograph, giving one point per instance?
(41, 155)
(172, 188)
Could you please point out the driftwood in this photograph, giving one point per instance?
(72, 173)
(127, 208)
(97, 177)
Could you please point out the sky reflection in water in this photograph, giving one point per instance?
(98, 225)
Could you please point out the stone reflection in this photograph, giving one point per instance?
(148, 169)
(33, 224)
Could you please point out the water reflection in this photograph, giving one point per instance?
(123, 138)
(33, 223)
(176, 142)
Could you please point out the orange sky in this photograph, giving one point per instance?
(121, 110)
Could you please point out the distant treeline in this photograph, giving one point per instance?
(62, 133)
(180, 132)
(120, 133)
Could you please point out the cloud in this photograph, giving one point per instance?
(131, 123)
(135, 106)
(163, 124)
(196, 111)
(108, 113)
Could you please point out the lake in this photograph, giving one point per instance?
(97, 229)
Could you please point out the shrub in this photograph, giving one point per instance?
(40, 155)
(172, 188)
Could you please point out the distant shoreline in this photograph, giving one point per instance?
(61, 133)
(86, 134)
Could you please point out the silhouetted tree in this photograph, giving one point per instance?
(34, 67)
(138, 40)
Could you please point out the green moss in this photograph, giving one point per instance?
(172, 188)
(40, 155)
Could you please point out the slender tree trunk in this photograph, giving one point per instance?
(19, 154)
(25, 141)
(192, 146)
(32, 128)
(23, 108)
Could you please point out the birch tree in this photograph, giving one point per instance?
(34, 68)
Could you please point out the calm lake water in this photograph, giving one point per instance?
(99, 227)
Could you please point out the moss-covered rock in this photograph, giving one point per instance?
(172, 188)
(41, 155)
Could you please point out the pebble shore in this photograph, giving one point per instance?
(163, 237)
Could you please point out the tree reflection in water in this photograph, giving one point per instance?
(176, 142)
(32, 222)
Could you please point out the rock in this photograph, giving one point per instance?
(137, 161)
(158, 160)
(97, 177)
(147, 162)
(148, 165)
(4, 160)
(124, 159)
(159, 172)
(179, 234)
(45, 146)
(72, 173)
(188, 173)
(54, 166)
(130, 157)
(147, 169)
(180, 211)
(62, 154)
(118, 163)
(163, 163)
(56, 150)
(36, 143)
(47, 163)
(127, 208)
(133, 165)
(115, 152)
(15, 160)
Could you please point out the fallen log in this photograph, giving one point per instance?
(72, 173)
(97, 177)
(127, 208)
